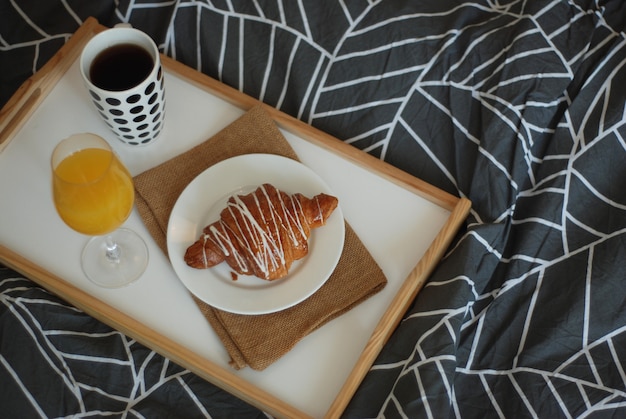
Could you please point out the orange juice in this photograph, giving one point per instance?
(93, 191)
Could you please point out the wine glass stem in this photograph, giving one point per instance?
(112, 250)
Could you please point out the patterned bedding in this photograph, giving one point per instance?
(517, 105)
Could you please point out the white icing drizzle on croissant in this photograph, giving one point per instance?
(253, 234)
(261, 233)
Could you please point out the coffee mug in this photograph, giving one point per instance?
(121, 69)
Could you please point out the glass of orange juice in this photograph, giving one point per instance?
(93, 193)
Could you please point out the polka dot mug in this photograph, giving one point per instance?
(121, 69)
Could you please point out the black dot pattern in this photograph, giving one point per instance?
(138, 118)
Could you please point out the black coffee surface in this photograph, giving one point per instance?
(120, 67)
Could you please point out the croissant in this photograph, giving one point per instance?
(261, 233)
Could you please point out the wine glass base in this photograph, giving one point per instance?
(129, 266)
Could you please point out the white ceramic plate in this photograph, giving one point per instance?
(201, 203)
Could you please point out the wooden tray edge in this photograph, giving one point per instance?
(35, 89)
(315, 136)
(96, 308)
(400, 303)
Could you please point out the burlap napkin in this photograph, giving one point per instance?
(257, 340)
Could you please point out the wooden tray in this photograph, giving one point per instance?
(406, 224)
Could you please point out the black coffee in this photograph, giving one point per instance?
(120, 67)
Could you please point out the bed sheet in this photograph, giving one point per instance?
(517, 105)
